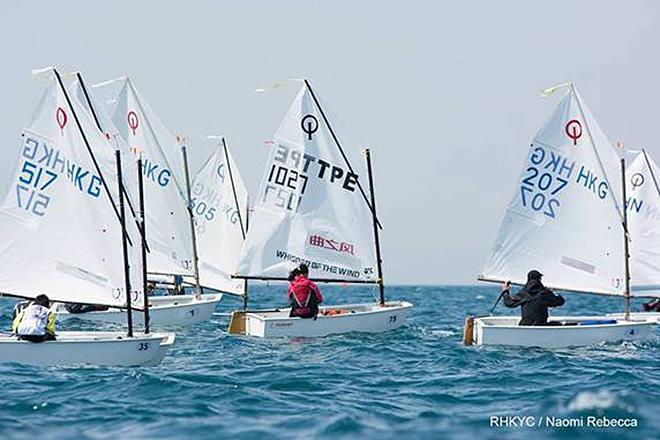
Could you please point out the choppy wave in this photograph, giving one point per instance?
(418, 381)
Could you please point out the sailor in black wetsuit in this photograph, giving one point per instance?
(534, 299)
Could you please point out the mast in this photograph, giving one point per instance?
(240, 217)
(626, 252)
(198, 289)
(143, 231)
(247, 225)
(124, 246)
(379, 261)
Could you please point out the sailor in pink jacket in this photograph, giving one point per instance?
(304, 294)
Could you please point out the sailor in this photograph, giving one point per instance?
(304, 294)
(34, 321)
(178, 286)
(652, 306)
(534, 299)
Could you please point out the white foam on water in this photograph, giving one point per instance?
(587, 400)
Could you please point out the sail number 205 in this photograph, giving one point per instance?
(538, 191)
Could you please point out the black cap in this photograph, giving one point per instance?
(534, 275)
(42, 300)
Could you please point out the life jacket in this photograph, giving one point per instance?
(33, 320)
(308, 309)
(17, 314)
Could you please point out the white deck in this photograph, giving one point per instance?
(88, 348)
(504, 330)
(164, 311)
(369, 317)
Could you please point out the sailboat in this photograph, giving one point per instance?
(169, 218)
(219, 202)
(64, 234)
(312, 207)
(643, 207)
(566, 220)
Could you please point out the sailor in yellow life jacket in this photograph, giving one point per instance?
(33, 320)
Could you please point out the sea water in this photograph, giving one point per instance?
(415, 382)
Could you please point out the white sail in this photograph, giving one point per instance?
(309, 208)
(643, 207)
(565, 218)
(85, 102)
(167, 219)
(59, 233)
(219, 222)
(107, 127)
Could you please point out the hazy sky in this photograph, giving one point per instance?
(446, 94)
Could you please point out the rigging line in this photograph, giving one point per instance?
(648, 164)
(233, 187)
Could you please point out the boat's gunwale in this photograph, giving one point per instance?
(621, 323)
(77, 337)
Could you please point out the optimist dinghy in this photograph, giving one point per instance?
(643, 206)
(169, 220)
(312, 208)
(565, 220)
(62, 233)
(164, 311)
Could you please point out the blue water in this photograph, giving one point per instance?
(417, 382)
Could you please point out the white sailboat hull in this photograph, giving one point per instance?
(164, 311)
(368, 317)
(648, 316)
(88, 348)
(504, 330)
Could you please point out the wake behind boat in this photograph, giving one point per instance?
(312, 208)
(567, 220)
